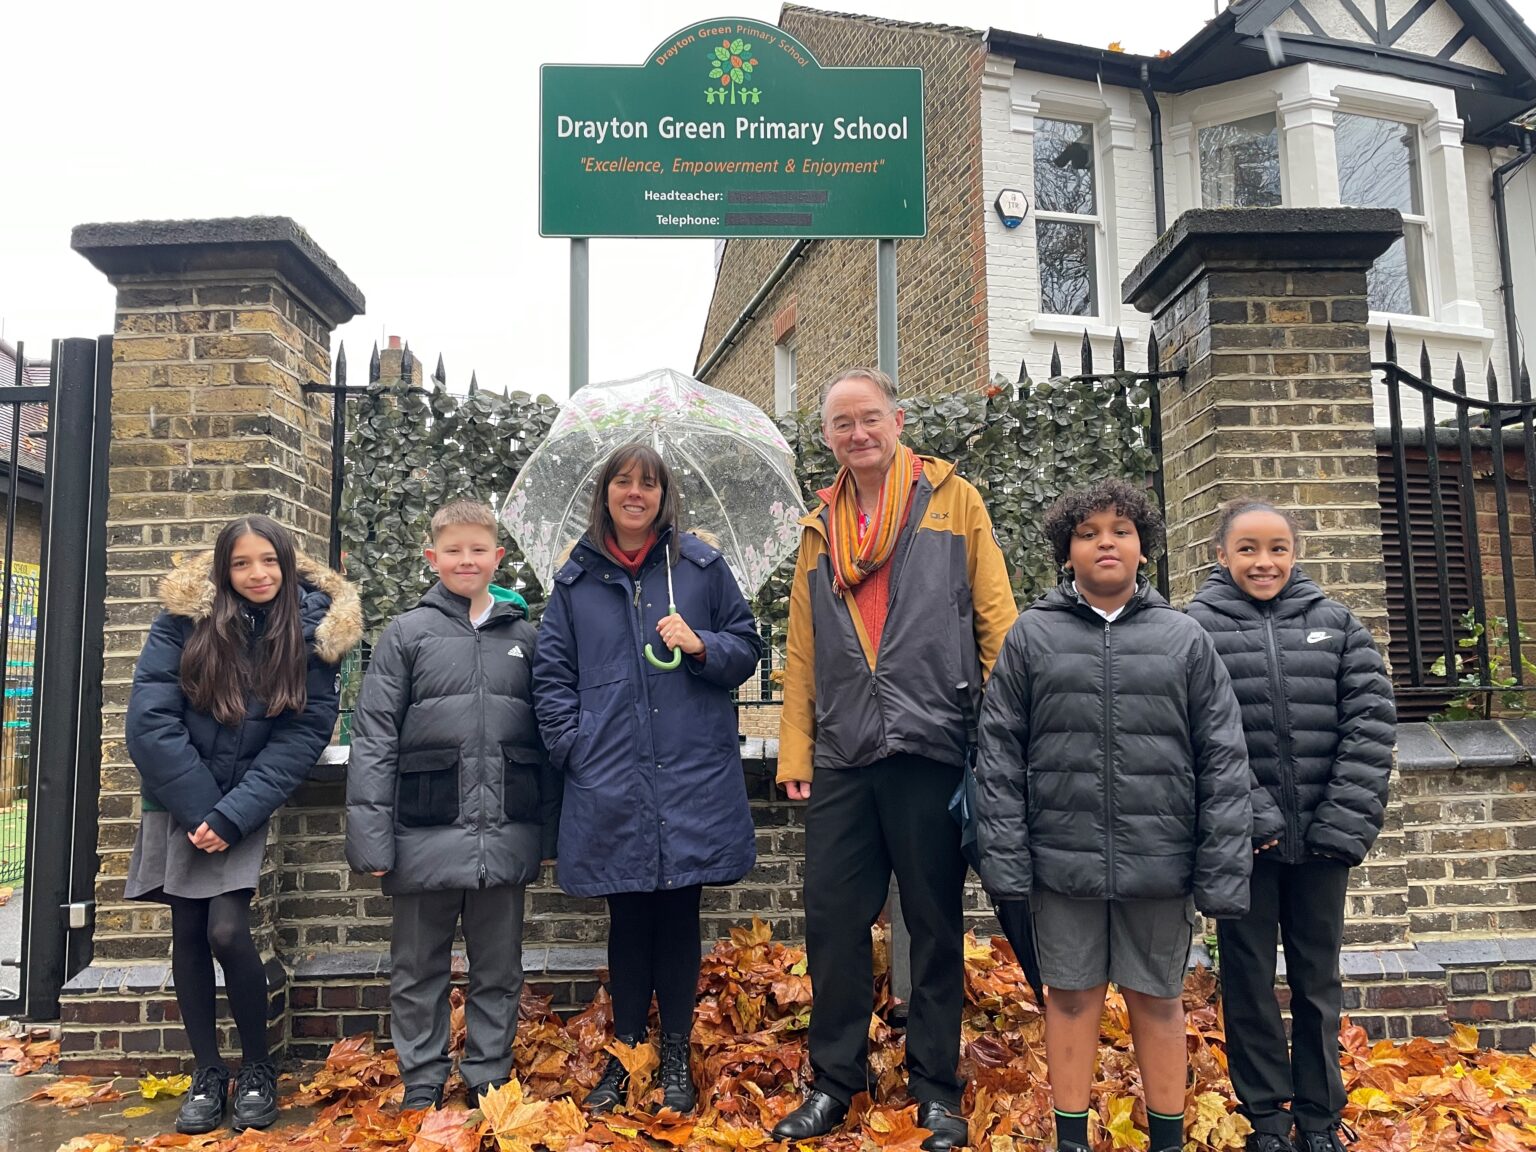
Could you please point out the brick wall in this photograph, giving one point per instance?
(941, 295)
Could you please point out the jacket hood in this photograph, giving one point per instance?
(1063, 598)
(935, 471)
(187, 591)
(1221, 594)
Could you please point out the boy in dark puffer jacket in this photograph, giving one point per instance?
(1320, 724)
(1112, 786)
(450, 799)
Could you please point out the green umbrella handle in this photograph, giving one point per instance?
(677, 653)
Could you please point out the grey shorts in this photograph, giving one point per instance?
(1142, 945)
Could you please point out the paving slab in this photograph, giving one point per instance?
(38, 1126)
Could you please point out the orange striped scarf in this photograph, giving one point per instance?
(854, 556)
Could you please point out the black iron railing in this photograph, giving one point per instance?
(1459, 537)
(1122, 380)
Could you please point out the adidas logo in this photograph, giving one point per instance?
(515, 650)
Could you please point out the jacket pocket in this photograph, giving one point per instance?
(520, 797)
(429, 788)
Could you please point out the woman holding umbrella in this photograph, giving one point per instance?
(655, 802)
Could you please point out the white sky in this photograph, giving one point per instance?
(404, 137)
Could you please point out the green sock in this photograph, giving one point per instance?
(1071, 1126)
(1165, 1131)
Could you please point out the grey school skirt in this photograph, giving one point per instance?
(165, 864)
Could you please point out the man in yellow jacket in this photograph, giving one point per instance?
(899, 607)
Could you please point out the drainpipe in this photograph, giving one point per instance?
(1157, 149)
(796, 250)
(1501, 176)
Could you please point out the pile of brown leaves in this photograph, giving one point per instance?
(750, 1061)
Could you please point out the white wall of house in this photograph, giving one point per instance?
(1012, 101)
(1460, 313)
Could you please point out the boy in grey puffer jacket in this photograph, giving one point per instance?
(451, 801)
(1112, 795)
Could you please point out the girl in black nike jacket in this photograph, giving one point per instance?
(1320, 724)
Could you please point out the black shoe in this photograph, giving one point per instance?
(613, 1088)
(947, 1126)
(817, 1115)
(677, 1088)
(478, 1090)
(420, 1097)
(1072, 1146)
(1328, 1140)
(1268, 1142)
(255, 1096)
(203, 1109)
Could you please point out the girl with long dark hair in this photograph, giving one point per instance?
(234, 698)
(655, 804)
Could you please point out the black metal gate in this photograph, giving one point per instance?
(55, 429)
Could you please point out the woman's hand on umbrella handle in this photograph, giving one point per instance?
(675, 633)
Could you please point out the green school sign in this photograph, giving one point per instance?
(731, 128)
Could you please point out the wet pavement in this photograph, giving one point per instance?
(40, 1126)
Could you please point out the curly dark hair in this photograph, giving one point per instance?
(1077, 504)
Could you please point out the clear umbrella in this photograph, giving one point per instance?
(735, 473)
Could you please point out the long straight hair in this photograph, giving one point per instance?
(220, 670)
(652, 467)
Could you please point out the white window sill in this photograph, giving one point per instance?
(1425, 328)
(1074, 326)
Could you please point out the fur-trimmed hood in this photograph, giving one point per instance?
(187, 591)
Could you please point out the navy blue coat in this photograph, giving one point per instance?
(654, 793)
(233, 778)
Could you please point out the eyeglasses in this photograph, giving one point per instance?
(870, 422)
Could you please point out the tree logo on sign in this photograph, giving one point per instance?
(730, 67)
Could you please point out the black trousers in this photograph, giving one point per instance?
(653, 947)
(1304, 905)
(860, 825)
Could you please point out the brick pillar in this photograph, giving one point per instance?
(1265, 311)
(220, 324)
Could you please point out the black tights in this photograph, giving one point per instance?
(218, 927)
(653, 946)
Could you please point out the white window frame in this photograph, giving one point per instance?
(1420, 115)
(1212, 114)
(1377, 106)
(1096, 119)
(1218, 122)
(786, 377)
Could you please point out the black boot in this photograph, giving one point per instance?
(420, 1097)
(1268, 1142)
(203, 1109)
(817, 1115)
(1328, 1140)
(476, 1091)
(255, 1096)
(678, 1092)
(613, 1088)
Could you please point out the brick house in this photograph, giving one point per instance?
(1293, 103)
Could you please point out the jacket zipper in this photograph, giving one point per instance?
(480, 692)
(1109, 775)
(645, 704)
(1282, 734)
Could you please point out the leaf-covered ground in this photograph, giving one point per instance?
(750, 1060)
